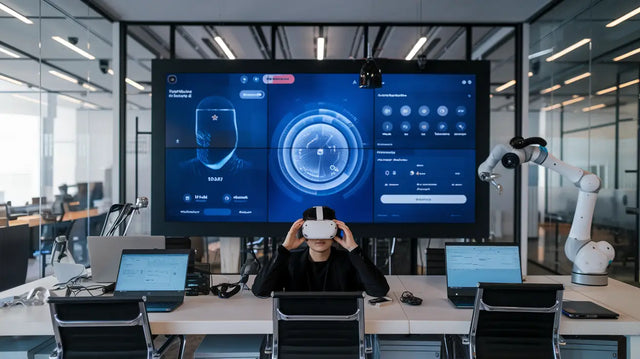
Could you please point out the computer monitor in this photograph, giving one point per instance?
(243, 147)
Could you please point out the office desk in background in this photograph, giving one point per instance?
(35, 220)
(246, 314)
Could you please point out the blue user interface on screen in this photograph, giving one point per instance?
(152, 272)
(469, 265)
(264, 147)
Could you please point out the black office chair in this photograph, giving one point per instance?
(516, 321)
(14, 256)
(435, 261)
(104, 327)
(318, 325)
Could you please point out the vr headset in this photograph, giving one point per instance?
(319, 228)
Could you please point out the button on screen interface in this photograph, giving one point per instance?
(255, 147)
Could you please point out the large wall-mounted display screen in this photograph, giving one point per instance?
(242, 148)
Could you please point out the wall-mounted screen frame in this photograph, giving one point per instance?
(236, 145)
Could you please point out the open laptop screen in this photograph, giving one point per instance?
(152, 271)
(467, 265)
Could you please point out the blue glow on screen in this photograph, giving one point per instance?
(469, 265)
(247, 147)
(152, 272)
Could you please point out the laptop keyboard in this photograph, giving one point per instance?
(463, 302)
(160, 306)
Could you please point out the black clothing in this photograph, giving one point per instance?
(345, 271)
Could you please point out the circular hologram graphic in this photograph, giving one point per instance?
(320, 152)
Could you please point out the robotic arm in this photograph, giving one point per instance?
(590, 259)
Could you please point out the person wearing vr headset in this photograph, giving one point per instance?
(321, 266)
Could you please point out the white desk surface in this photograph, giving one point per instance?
(437, 314)
(244, 313)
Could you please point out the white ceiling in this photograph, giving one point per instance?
(73, 18)
(330, 11)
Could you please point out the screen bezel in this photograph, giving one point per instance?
(161, 68)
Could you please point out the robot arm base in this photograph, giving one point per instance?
(589, 279)
(591, 262)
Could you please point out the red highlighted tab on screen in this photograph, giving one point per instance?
(278, 79)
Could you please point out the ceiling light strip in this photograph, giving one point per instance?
(623, 17)
(70, 99)
(568, 50)
(572, 101)
(11, 80)
(15, 14)
(225, 48)
(134, 84)
(26, 98)
(9, 53)
(607, 90)
(550, 89)
(416, 48)
(594, 107)
(626, 84)
(89, 87)
(552, 107)
(63, 76)
(623, 56)
(505, 86)
(89, 105)
(320, 48)
(73, 47)
(577, 78)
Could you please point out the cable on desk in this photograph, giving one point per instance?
(73, 288)
(408, 298)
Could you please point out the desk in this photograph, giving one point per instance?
(35, 220)
(246, 314)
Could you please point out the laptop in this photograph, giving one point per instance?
(160, 275)
(578, 309)
(104, 253)
(467, 264)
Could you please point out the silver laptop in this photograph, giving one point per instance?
(468, 264)
(159, 275)
(105, 252)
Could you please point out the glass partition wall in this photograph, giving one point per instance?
(56, 124)
(583, 100)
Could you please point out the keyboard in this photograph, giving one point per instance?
(463, 302)
(161, 306)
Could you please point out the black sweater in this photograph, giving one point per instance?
(346, 271)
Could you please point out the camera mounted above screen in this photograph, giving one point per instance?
(319, 228)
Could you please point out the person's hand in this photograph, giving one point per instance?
(292, 241)
(346, 241)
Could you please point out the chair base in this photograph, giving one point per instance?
(590, 279)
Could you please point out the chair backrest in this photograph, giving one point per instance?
(101, 327)
(516, 321)
(435, 261)
(318, 325)
(14, 255)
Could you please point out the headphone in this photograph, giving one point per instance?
(226, 290)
